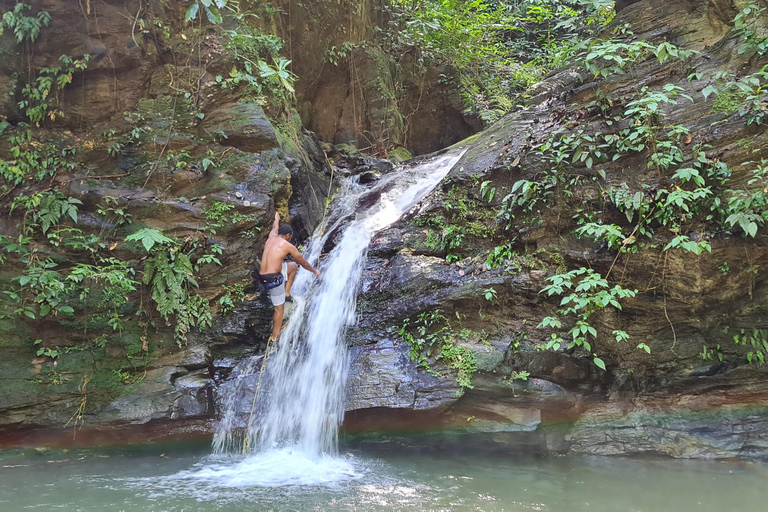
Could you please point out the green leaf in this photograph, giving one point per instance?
(149, 238)
(266, 70)
(708, 90)
(214, 16)
(66, 310)
(288, 86)
(192, 11)
(599, 363)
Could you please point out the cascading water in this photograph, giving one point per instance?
(301, 403)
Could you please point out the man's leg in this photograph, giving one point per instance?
(277, 320)
(277, 294)
(292, 269)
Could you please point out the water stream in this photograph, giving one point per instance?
(295, 417)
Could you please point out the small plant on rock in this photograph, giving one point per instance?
(431, 337)
(584, 293)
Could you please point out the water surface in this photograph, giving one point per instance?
(173, 479)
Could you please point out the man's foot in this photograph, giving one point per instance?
(289, 298)
(274, 338)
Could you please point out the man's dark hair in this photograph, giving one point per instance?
(285, 229)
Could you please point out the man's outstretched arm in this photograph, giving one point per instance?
(301, 261)
(275, 225)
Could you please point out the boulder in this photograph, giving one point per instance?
(244, 126)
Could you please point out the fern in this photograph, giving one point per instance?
(170, 276)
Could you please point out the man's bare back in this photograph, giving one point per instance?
(275, 251)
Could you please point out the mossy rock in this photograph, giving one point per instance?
(244, 126)
(348, 149)
(13, 333)
(399, 154)
(161, 111)
(488, 360)
(379, 78)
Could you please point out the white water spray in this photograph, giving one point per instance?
(301, 404)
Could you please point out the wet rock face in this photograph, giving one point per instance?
(711, 426)
(382, 375)
(309, 190)
(678, 400)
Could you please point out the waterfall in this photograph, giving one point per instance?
(301, 400)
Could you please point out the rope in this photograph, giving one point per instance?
(255, 396)
(328, 196)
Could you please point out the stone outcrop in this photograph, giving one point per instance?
(243, 126)
(353, 90)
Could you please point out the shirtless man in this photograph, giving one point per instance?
(276, 275)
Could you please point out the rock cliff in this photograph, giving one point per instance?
(694, 392)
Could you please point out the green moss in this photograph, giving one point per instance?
(20, 391)
(288, 132)
(13, 333)
(434, 240)
(218, 185)
(469, 141)
(745, 143)
(488, 361)
(161, 110)
(432, 337)
(399, 154)
(728, 101)
(379, 81)
(430, 220)
(559, 260)
(106, 382)
(348, 149)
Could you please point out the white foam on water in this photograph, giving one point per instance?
(274, 468)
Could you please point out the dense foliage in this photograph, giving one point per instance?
(497, 48)
(686, 197)
(117, 280)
